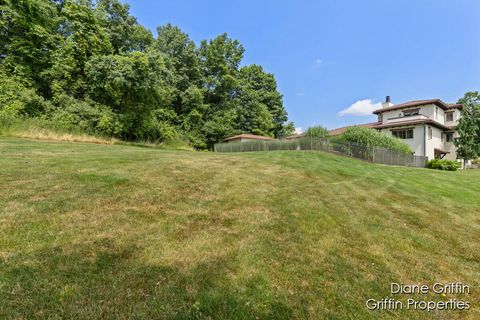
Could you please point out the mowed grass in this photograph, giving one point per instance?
(119, 232)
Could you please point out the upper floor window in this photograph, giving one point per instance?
(403, 134)
(380, 117)
(430, 133)
(449, 116)
(409, 113)
(436, 113)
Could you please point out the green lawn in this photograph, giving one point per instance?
(119, 232)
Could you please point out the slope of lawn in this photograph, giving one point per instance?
(119, 232)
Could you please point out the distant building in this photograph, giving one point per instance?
(246, 137)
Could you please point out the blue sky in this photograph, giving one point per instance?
(330, 55)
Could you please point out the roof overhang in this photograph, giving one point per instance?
(441, 151)
(413, 122)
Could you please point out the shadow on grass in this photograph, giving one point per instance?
(104, 280)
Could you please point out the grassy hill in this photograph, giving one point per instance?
(120, 232)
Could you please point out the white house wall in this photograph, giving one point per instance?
(435, 142)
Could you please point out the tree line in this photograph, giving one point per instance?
(89, 65)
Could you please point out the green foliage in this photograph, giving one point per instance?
(17, 100)
(317, 132)
(106, 74)
(27, 39)
(468, 127)
(84, 38)
(89, 117)
(123, 31)
(131, 85)
(371, 137)
(258, 86)
(439, 164)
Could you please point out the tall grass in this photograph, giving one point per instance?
(374, 138)
(44, 129)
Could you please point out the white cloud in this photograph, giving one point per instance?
(300, 94)
(361, 108)
(298, 130)
(317, 63)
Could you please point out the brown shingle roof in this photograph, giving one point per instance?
(339, 131)
(295, 136)
(248, 136)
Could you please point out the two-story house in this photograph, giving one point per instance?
(427, 126)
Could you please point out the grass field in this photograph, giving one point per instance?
(91, 231)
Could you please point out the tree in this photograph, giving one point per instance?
(468, 128)
(181, 56)
(84, 38)
(123, 31)
(262, 94)
(317, 132)
(220, 59)
(131, 85)
(27, 40)
(88, 65)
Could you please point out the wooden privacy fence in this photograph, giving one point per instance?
(364, 152)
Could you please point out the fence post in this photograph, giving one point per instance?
(373, 154)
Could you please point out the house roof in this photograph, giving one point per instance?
(248, 136)
(412, 122)
(415, 103)
(339, 131)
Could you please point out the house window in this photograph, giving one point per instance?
(448, 137)
(436, 113)
(380, 118)
(430, 133)
(403, 134)
(449, 116)
(409, 113)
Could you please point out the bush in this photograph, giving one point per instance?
(317, 132)
(374, 138)
(158, 131)
(439, 164)
(72, 115)
(18, 100)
